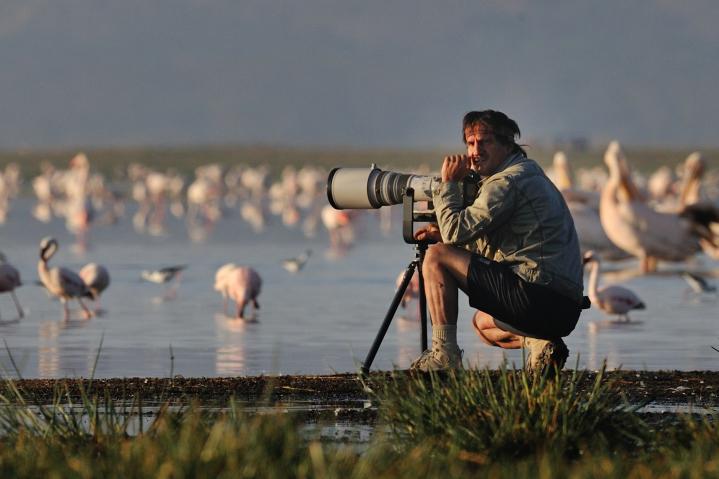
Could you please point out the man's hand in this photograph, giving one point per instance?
(429, 233)
(455, 167)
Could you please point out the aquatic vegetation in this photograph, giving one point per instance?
(511, 412)
(542, 422)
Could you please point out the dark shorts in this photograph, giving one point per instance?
(517, 306)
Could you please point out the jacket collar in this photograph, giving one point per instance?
(509, 161)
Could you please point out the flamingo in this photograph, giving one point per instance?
(9, 280)
(97, 279)
(243, 287)
(221, 282)
(612, 300)
(62, 283)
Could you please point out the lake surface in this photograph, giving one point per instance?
(321, 320)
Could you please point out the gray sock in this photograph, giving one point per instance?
(446, 333)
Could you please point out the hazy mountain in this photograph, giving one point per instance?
(362, 73)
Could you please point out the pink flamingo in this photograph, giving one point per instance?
(243, 286)
(97, 279)
(61, 282)
(612, 299)
(221, 278)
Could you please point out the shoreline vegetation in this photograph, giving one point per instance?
(468, 423)
(114, 161)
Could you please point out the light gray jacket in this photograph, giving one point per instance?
(519, 217)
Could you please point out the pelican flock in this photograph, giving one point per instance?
(637, 228)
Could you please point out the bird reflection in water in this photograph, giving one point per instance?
(55, 359)
(230, 355)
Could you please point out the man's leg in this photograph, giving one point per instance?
(542, 354)
(445, 272)
(489, 333)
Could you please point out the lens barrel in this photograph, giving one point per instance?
(363, 188)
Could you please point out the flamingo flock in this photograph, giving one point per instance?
(671, 215)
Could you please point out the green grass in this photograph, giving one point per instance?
(509, 412)
(469, 424)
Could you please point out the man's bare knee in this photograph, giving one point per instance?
(445, 259)
(432, 262)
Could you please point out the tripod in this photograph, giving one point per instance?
(408, 218)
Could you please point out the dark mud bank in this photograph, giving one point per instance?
(699, 388)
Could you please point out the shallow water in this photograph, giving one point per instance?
(321, 320)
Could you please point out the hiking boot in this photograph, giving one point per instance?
(439, 357)
(543, 355)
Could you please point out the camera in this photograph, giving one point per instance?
(363, 188)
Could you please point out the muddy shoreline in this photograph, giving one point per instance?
(698, 388)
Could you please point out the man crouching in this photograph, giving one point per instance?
(514, 251)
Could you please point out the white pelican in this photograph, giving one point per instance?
(634, 226)
(243, 287)
(9, 280)
(97, 279)
(703, 214)
(61, 282)
(294, 265)
(584, 208)
(613, 300)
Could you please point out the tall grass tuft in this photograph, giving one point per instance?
(509, 413)
(465, 424)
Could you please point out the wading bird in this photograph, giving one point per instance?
(97, 279)
(635, 226)
(698, 284)
(294, 265)
(9, 280)
(613, 300)
(62, 283)
(164, 276)
(243, 287)
(221, 277)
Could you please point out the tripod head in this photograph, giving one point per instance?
(410, 215)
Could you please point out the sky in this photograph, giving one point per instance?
(312, 73)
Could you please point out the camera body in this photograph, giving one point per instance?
(363, 188)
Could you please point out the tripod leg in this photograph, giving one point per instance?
(422, 309)
(422, 249)
(388, 318)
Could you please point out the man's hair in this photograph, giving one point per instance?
(504, 129)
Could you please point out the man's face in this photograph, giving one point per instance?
(484, 151)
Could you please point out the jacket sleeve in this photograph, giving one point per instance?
(490, 209)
